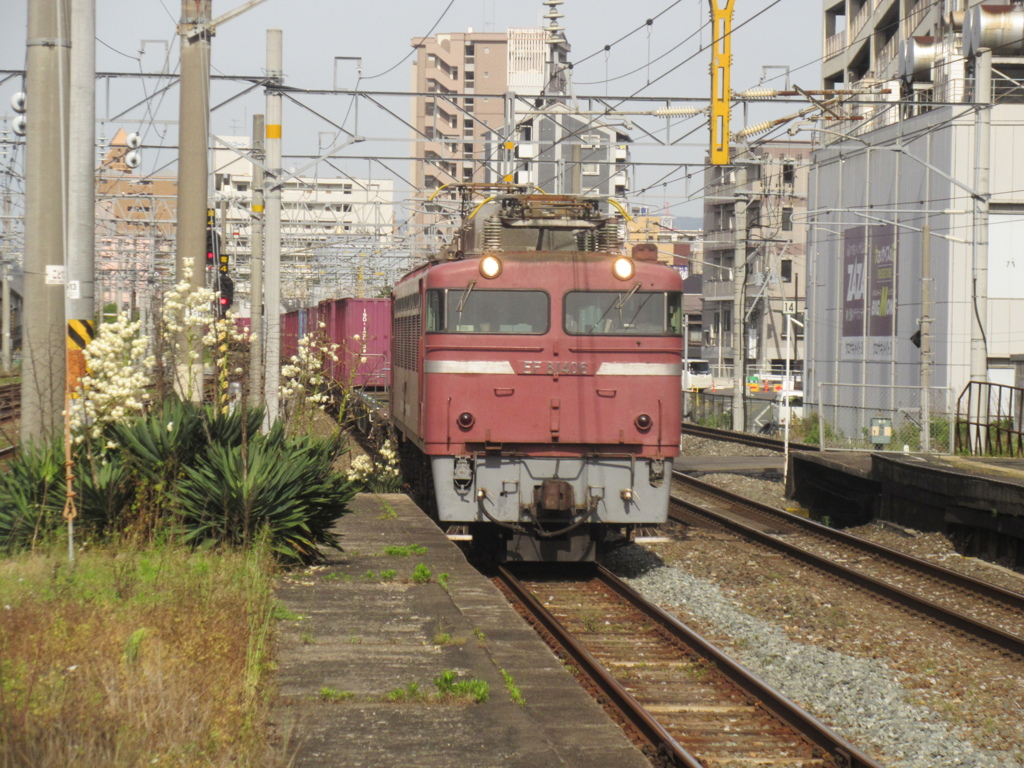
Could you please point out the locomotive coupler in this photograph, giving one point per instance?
(554, 496)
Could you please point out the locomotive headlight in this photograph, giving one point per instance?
(466, 420)
(623, 268)
(643, 422)
(490, 266)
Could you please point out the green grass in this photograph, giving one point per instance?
(407, 550)
(421, 574)
(513, 690)
(124, 657)
(448, 685)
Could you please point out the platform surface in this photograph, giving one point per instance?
(363, 636)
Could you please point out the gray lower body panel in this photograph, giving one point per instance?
(618, 490)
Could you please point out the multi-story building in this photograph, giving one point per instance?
(750, 236)
(493, 108)
(916, 209)
(337, 234)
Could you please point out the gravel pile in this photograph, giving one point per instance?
(861, 698)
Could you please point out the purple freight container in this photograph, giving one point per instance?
(362, 329)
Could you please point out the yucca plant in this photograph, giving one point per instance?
(283, 485)
(32, 494)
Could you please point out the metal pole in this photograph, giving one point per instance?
(787, 390)
(982, 123)
(272, 234)
(739, 276)
(926, 337)
(256, 267)
(46, 84)
(193, 172)
(686, 358)
(5, 290)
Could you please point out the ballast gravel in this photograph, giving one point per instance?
(860, 698)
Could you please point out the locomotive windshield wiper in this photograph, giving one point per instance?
(465, 296)
(622, 302)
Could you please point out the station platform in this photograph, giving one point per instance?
(978, 502)
(361, 633)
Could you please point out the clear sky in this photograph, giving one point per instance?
(661, 59)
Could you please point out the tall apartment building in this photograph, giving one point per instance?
(493, 109)
(750, 209)
(916, 158)
(337, 233)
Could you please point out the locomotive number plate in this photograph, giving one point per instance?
(556, 368)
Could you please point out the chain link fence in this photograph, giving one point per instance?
(869, 417)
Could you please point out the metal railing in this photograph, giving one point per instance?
(990, 419)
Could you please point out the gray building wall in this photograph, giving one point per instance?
(854, 187)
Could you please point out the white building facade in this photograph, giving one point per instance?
(888, 311)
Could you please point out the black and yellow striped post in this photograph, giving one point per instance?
(80, 333)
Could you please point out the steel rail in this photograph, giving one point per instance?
(618, 697)
(981, 588)
(745, 438)
(841, 752)
(985, 632)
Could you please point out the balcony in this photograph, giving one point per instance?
(835, 45)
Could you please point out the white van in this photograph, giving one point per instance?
(697, 375)
(787, 403)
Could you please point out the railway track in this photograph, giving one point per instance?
(987, 612)
(744, 438)
(686, 701)
(10, 401)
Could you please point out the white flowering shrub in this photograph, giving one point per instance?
(186, 315)
(119, 372)
(305, 389)
(378, 472)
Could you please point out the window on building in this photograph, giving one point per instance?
(591, 169)
(467, 174)
(786, 270)
(788, 173)
(787, 219)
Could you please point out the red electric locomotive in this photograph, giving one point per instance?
(536, 378)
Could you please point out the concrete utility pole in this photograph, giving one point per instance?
(926, 337)
(982, 127)
(272, 238)
(46, 85)
(739, 277)
(256, 266)
(81, 189)
(193, 172)
(5, 288)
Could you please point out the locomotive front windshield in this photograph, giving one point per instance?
(475, 310)
(623, 313)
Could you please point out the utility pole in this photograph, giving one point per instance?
(5, 289)
(739, 277)
(46, 84)
(272, 233)
(193, 172)
(982, 127)
(81, 190)
(256, 266)
(926, 337)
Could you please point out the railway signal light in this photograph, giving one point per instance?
(212, 240)
(227, 295)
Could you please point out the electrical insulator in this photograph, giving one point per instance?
(492, 234)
